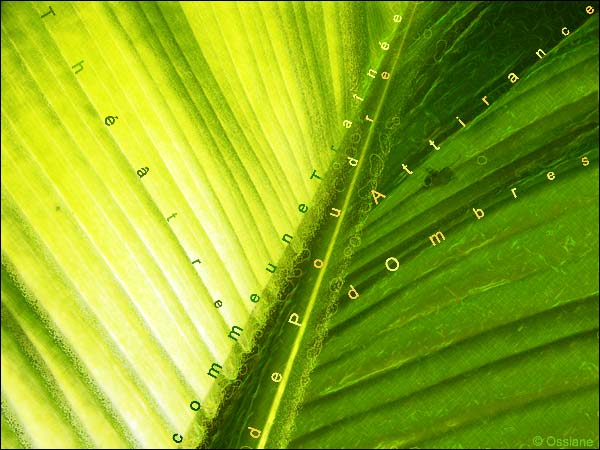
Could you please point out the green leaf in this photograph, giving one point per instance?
(427, 355)
(109, 328)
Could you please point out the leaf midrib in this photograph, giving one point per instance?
(278, 396)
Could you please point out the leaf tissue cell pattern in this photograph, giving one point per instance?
(299, 224)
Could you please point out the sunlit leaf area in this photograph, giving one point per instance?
(299, 224)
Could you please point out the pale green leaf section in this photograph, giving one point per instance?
(209, 97)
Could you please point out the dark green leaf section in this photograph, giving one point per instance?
(498, 323)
